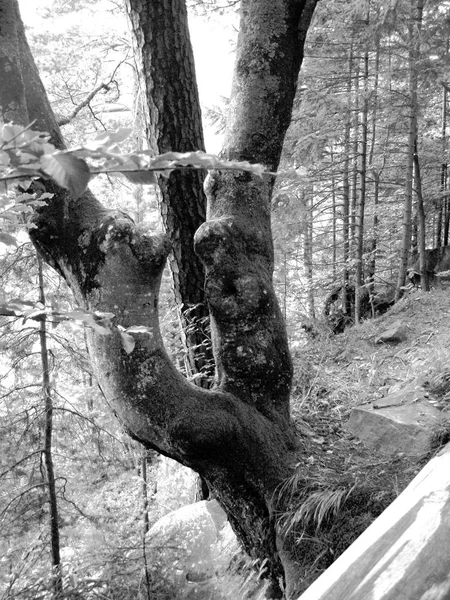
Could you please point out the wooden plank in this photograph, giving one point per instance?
(405, 553)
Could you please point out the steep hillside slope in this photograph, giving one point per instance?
(340, 486)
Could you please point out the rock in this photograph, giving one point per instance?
(401, 422)
(394, 335)
(190, 548)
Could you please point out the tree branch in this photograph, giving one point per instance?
(65, 120)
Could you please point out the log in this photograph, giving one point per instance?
(405, 553)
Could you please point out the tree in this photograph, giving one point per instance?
(48, 449)
(414, 35)
(237, 436)
(173, 122)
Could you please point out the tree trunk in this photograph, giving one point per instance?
(414, 27)
(307, 251)
(346, 192)
(371, 268)
(362, 159)
(355, 151)
(145, 520)
(48, 449)
(174, 124)
(421, 223)
(333, 213)
(444, 165)
(376, 173)
(238, 436)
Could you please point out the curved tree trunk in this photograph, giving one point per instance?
(237, 436)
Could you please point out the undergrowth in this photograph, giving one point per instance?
(339, 486)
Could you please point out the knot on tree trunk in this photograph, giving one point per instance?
(237, 284)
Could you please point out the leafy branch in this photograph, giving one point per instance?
(100, 322)
(25, 153)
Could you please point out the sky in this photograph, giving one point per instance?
(212, 40)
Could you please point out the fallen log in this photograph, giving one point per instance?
(405, 553)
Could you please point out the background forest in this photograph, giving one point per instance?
(353, 207)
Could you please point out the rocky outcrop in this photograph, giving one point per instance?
(401, 422)
(395, 334)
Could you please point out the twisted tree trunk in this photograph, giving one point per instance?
(237, 436)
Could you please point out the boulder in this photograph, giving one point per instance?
(395, 334)
(190, 548)
(401, 422)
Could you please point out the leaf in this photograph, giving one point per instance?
(106, 139)
(142, 177)
(6, 238)
(4, 158)
(203, 160)
(139, 329)
(91, 320)
(67, 170)
(10, 131)
(128, 342)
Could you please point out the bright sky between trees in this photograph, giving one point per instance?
(213, 41)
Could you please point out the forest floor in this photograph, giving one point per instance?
(348, 485)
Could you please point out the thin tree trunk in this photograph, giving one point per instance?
(414, 28)
(285, 285)
(333, 214)
(145, 521)
(444, 166)
(307, 252)
(47, 452)
(421, 222)
(359, 278)
(447, 220)
(355, 154)
(346, 191)
(371, 269)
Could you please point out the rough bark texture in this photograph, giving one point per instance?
(238, 436)
(174, 124)
(414, 27)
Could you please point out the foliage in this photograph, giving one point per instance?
(90, 453)
(28, 154)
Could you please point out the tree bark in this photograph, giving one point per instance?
(238, 436)
(361, 206)
(414, 27)
(174, 124)
(376, 173)
(444, 165)
(421, 222)
(50, 479)
(346, 192)
(308, 251)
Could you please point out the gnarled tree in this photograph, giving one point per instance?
(238, 436)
